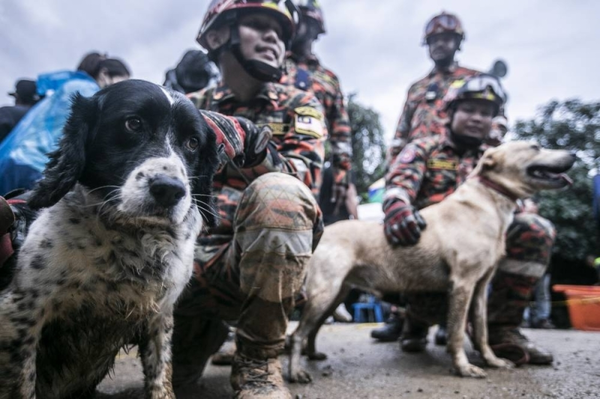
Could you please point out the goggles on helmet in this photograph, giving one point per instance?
(481, 84)
(444, 21)
(480, 87)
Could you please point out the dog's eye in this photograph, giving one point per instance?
(133, 124)
(536, 147)
(192, 143)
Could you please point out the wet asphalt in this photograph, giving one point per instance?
(358, 367)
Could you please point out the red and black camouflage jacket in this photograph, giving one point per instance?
(428, 170)
(309, 75)
(423, 114)
(295, 118)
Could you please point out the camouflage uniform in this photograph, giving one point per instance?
(423, 114)
(250, 267)
(308, 74)
(427, 171)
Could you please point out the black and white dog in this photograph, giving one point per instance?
(104, 263)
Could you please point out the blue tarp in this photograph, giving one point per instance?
(23, 154)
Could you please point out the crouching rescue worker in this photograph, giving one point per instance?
(249, 268)
(423, 114)
(427, 171)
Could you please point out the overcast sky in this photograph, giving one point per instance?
(551, 47)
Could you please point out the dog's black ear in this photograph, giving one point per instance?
(66, 163)
(207, 167)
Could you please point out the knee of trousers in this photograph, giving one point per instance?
(276, 203)
(530, 238)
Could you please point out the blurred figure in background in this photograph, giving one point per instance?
(26, 96)
(194, 72)
(304, 71)
(23, 154)
(338, 196)
(537, 314)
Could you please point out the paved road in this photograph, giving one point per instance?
(359, 368)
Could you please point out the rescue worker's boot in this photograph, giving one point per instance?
(414, 335)
(277, 227)
(392, 329)
(506, 304)
(256, 374)
(502, 342)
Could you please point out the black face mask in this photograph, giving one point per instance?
(466, 142)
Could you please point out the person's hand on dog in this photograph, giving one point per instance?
(255, 143)
(402, 223)
(240, 140)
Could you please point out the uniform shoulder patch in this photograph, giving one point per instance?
(408, 154)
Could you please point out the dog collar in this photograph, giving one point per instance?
(497, 187)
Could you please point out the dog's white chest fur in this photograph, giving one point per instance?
(128, 270)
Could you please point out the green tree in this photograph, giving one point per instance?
(572, 125)
(367, 144)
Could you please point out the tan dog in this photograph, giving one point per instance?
(457, 252)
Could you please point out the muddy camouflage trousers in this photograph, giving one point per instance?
(253, 283)
(529, 243)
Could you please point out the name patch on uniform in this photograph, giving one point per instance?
(278, 129)
(443, 164)
(309, 121)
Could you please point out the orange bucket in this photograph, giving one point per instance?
(584, 305)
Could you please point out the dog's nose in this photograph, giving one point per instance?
(166, 190)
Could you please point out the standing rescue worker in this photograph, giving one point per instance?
(305, 72)
(427, 171)
(249, 269)
(423, 114)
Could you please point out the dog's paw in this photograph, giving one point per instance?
(500, 363)
(168, 394)
(470, 370)
(301, 376)
(317, 356)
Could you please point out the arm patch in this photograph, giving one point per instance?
(308, 121)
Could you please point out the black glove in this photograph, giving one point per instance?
(402, 224)
(255, 143)
(241, 140)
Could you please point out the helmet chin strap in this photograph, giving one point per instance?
(466, 142)
(257, 69)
